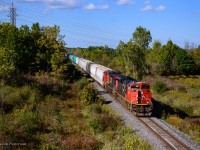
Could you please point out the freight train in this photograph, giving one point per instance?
(135, 94)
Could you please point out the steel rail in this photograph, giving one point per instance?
(164, 136)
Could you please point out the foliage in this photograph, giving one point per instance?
(25, 49)
(189, 126)
(7, 66)
(195, 54)
(183, 98)
(82, 83)
(88, 95)
(142, 37)
(103, 122)
(188, 109)
(186, 64)
(29, 121)
(134, 59)
(133, 142)
(160, 87)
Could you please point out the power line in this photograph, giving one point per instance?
(74, 29)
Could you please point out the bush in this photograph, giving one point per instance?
(160, 87)
(82, 83)
(132, 142)
(17, 97)
(7, 127)
(94, 109)
(103, 122)
(29, 121)
(96, 124)
(88, 95)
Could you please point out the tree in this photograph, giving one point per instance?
(7, 66)
(167, 58)
(26, 50)
(142, 37)
(156, 45)
(176, 60)
(9, 35)
(134, 60)
(186, 64)
(196, 56)
(49, 43)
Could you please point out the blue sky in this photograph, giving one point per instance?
(105, 22)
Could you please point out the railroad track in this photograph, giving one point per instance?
(168, 140)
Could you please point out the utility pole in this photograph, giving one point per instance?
(13, 14)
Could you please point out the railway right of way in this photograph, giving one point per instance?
(154, 131)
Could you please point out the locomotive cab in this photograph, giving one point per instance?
(140, 97)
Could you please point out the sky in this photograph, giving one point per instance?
(107, 22)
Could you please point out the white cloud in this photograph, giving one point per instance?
(149, 7)
(57, 4)
(4, 8)
(125, 2)
(160, 8)
(92, 7)
(147, 2)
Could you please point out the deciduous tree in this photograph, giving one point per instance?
(142, 37)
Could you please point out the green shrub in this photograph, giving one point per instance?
(29, 121)
(82, 83)
(103, 122)
(160, 87)
(96, 124)
(88, 95)
(134, 142)
(18, 96)
(7, 126)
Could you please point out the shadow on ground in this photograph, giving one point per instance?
(161, 110)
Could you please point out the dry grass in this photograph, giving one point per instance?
(183, 95)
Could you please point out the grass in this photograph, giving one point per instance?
(188, 126)
(182, 96)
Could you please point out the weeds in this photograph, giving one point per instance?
(189, 126)
(160, 87)
(48, 114)
(183, 98)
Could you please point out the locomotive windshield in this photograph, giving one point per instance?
(135, 87)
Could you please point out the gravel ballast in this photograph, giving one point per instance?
(144, 133)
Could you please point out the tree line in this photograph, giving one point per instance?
(135, 58)
(32, 49)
